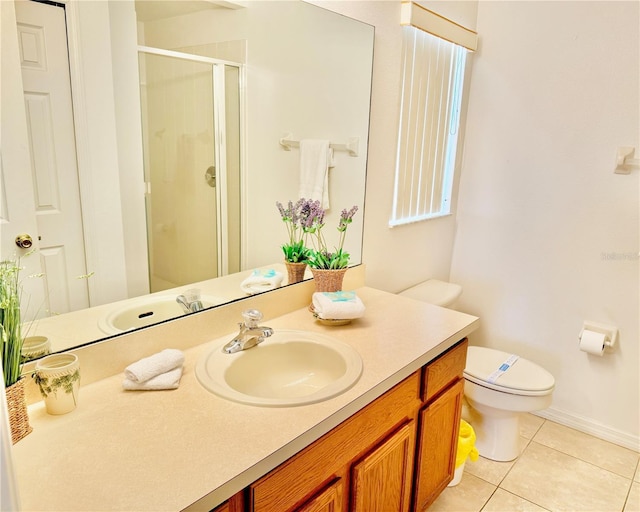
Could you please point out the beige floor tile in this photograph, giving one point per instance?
(636, 477)
(489, 470)
(529, 425)
(633, 501)
(559, 482)
(469, 495)
(503, 501)
(604, 454)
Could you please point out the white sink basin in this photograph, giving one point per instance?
(289, 368)
(146, 311)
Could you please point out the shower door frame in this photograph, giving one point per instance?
(220, 157)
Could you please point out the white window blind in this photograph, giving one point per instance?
(433, 75)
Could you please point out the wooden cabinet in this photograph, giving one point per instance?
(290, 486)
(396, 454)
(438, 425)
(330, 499)
(381, 481)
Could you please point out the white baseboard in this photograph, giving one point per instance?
(588, 426)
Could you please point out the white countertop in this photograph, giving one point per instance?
(171, 450)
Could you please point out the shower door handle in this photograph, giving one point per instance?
(210, 176)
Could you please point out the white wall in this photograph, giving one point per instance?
(547, 234)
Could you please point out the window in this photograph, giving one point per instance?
(433, 76)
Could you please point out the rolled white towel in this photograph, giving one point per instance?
(342, 305)
(149, 367)
(262, 280)
(167, 380)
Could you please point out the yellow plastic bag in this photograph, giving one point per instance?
(466, 444)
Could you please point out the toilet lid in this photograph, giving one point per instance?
(522, 377)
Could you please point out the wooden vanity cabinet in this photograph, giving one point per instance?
(396, 454)
(439, 425)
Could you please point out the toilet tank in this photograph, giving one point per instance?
(434, 291)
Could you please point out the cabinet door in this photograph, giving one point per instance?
(381, 481)
(437, 444)
(329, 500)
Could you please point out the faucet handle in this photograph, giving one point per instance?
(251, 317)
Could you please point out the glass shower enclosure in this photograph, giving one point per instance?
(191, 126)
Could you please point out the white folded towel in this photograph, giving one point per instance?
(315, 160)
(337, 305)
(167, 380)
(262, 281)
(157, 364)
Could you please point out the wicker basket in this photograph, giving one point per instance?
(328, 280)
(18, 414)
(295, 271)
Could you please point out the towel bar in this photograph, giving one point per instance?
(351, 146)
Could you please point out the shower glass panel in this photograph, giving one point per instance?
(186, 170)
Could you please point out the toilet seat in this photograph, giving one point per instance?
(522, 378)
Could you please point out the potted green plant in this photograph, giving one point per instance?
(328, 267)
(295, 251)
(12, 340)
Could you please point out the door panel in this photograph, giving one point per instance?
(47, 95)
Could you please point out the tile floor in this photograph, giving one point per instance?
(559, 469)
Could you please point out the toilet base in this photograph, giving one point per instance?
(497, 435)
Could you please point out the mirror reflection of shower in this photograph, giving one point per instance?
(191, 140)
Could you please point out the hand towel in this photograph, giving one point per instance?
(149, 367)
(167, 380)
(337, 305)
(315, 159)
(262, 281)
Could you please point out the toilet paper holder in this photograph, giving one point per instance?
(610, 332)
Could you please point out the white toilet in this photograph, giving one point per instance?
(498, 386)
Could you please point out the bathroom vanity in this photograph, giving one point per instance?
(189, 449)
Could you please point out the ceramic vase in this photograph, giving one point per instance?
(295, 271)
(328, 280)
(58, 377)
(35, 347)
(17, 410)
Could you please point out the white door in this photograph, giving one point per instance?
(42, 45)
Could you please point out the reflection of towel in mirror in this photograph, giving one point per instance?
(315, 160)
(149, 367)
(337, 305)
(167, 380)
(261, 281)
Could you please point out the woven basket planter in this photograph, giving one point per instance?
(295, 271)
(328, 280)
(18, 414)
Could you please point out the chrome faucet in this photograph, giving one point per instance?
(190, 301)
(250, 332)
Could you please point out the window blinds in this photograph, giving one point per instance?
(433, 71)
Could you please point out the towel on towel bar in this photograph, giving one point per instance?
(315, 159)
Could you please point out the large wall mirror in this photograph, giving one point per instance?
(141, 148)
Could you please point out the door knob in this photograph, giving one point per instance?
(24, 241)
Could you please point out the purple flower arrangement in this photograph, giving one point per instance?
(305, 219)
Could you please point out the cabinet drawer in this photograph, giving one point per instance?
(444, 370)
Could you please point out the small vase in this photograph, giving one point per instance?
(17, 409)
(35, 347)
(58, 377)
(328, 280)
(295, 271)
